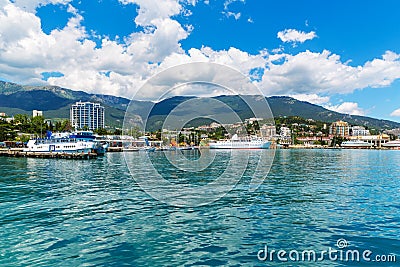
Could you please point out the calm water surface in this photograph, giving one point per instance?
(92, 213)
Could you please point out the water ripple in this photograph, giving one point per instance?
(92, 213)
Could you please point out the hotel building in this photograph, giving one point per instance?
(87, 114)
(339, 128)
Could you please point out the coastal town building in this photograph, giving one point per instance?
(339, 128)
(394, 132)
(36, 113)
(285, 132)
(252, 120)
(87, 115)
(209, 128)
(4, 117)
(268, 131)
(359, 131)
(311, 140)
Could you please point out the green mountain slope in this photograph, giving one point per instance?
(55, 102)
(280, 106)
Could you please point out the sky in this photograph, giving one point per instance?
(343, 55)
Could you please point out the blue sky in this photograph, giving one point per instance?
(344, 55)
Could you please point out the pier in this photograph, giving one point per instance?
(19, 153)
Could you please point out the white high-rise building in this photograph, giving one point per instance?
(87, 114)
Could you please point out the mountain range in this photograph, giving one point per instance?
(55, 102)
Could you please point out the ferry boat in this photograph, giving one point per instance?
(356, 144)
(76, 142)
(252, 142)
(392, 144)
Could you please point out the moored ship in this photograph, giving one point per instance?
(76, 142)
(235, 142)
(356, 144)
(392, 144)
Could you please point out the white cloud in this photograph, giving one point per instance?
(155, 45)
(295, 36)
(312, 98)
(31, 5)
(324, 73)
(229, 2)
(351, 108)
(395, 113)
(228, 13)
(26, 51)
(151, 11)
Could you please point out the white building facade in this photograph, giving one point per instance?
(268, 131)
(359, 131)
(87, 115)
(36, 113)
(285, 132)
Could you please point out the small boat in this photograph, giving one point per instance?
(130, 149)
(235, 142)
(186, 148)
(356, 144)
(165, 148)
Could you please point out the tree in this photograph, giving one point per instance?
(337, 140)
(118, 132)
(135, 132)
(23, 122)
(38, 125)
(21, 118)
(101, 131)
(7, 131)
(63, 126)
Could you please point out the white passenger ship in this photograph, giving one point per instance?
(252, 142)
(356, 144)
(76, 142)
(392, 144)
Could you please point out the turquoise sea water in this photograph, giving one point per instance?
(93, 213)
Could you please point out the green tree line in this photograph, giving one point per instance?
(24, 124)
